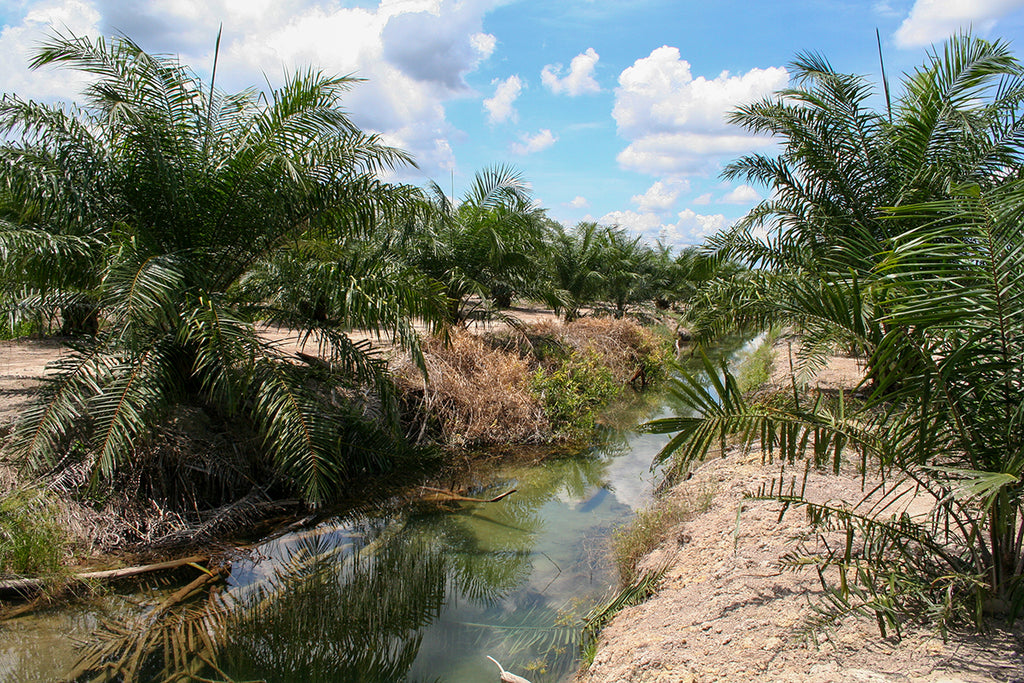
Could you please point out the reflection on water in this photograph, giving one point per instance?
(426, 592)
(418, 592)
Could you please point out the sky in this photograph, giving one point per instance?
(613, 110)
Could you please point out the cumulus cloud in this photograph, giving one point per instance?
(529, 144)
(499, 108)
(742, 194)
(579, 80)
(434, 48)
(18, 40)
(931, 21)
(688, 228)
(578, 202)
(661, 195)
(676, 123)
(413, 54)
(702, 200)
(697, 226)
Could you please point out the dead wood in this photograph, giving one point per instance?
(23, 587)
(454, 496)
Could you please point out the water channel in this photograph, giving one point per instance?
(407, 592)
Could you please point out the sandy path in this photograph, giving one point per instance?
(23, 362)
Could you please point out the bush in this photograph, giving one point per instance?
(475, 394)
(31, 540)
(573, 392)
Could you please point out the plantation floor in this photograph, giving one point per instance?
(22, 363)
(727, 612)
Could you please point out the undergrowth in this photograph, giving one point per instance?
(755, 369)
(31, 540)
(544, 383)
(574, 391)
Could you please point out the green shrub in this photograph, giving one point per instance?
(756, 367)
(574, 391)
(31, 539)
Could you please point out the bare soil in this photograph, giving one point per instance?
(726, 611)
(22, 365)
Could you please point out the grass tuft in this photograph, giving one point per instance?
(649, 528)
(32, 542)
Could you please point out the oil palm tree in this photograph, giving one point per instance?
(169, 200)
(903, 237)
(574, 268)
(484, 249)
(842, 162)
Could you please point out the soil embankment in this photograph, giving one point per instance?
(726, 611)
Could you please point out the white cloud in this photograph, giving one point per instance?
(578, 81)
(932, 21)
(690, 228)
(677, 123)
(579, 202)
(538, 142)
(698, 226)
(414, 54)
(702, 200)
(883, 8)
(499, 108)
(661, 195)
(483, 43)
(644, 223)
(17, 43)
(742, 194)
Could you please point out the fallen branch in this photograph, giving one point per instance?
(455, 496)
(189, 589)
(25, 586)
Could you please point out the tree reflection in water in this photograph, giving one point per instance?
(398, 595)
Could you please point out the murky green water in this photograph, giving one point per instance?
(419, 592)
(426, 592)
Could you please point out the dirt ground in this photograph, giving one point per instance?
(22, 364)
(725, 610)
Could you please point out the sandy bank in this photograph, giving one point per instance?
(726, 611)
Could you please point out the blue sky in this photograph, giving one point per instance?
(614, 111)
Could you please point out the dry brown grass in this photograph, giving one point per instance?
(476, 394)
(479, 389)
(621, 344)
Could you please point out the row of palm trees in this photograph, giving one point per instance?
(162, 220)
(895, 233)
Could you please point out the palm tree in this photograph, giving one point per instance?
(185, 216)
(904, 238)
(625, 266)
(574, 268)
(485, 249)
(842, 162)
